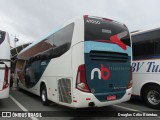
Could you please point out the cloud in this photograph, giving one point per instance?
(33, 19)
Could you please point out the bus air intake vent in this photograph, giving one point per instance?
(64, 88)
(108, 56)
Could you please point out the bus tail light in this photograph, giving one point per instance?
(85, 16)
(130, 81)
(5, 83)
(81, 79)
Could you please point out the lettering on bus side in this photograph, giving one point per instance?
(103, 73)
(151, 66)
(136, 66)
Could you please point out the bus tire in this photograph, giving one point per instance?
(44, 97)
(151, 96)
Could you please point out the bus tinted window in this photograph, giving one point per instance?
(146, 43)
(143, 48)
(55, 45)
(60, 41)
(99, 29)
(157, 46)
(62, 36)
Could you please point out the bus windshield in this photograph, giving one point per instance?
(102, 30)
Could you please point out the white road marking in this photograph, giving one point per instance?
(34, 118)
(130, 109)
(22, 107)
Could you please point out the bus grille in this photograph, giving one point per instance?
(108, 56)
(64, 88)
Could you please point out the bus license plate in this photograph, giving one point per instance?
(111, 97)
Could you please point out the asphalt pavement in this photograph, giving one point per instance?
(20, 101)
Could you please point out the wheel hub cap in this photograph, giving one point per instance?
(153, 97)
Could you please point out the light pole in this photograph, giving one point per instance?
(15, 40)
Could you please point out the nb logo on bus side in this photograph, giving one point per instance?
(103, 73)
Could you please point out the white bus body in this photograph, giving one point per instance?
(146, 66)
(91, 68)
(4, 64)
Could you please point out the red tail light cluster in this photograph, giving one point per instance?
(81, 79)
(85, 16)
(5, 83)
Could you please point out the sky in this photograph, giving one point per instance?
(30, 20)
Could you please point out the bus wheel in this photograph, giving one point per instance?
(44, 97)
(151, 96)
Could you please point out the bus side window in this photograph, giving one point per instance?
(143, 48)
(157, 47)
(35, 67)
(27, 75)
(60, 40)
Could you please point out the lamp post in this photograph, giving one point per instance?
(15, 40)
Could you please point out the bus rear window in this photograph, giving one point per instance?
(101, 30)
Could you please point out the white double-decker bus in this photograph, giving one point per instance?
(86, 63)
(146, 66)
(4, 64)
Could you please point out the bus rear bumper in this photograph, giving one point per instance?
(89, 100)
